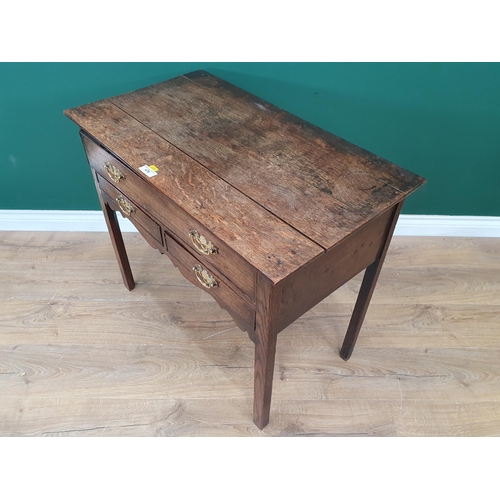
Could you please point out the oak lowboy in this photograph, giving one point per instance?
(264, 211)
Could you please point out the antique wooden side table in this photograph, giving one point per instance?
(266, 212)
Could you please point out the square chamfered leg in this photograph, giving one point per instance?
(366, 291)
(116, 239)
(266, 332)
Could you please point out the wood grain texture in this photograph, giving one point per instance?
(319, 184)
(313, 283)
(173, 218)
(315, 214)
(338, 150)
(196, 417)
(259, 237)
(82, 356)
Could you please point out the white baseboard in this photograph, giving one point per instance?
(93, 220)
(448, 225)
(58, 220)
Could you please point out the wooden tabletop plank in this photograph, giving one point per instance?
(262, 239)
(194, 130)
(319, 184)
(293, 144)
(318, 149)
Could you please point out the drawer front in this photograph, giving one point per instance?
(129, 210)
(211, 281)
(107, 165)
(208, 248)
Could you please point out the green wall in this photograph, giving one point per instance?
(440, 120)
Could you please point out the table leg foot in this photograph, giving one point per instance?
(362, 303)
(366, 291)
(263, 380)
(267, 306)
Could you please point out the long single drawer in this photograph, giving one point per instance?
(209, 249)
(209, 280)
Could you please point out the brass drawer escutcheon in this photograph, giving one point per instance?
(201, 244)
(204, 277)
(114, 173)
(126, 207)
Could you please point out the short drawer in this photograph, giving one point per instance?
(107, 165)
(211, 281)
(129, 210)
(209, 249)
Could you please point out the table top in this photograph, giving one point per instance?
(277, 189)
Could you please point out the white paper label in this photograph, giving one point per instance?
(148, 171)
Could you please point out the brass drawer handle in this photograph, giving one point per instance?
(114, 173)
(204, 277)
(201, 244)
(126, 207)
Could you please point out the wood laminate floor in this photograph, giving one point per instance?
(82, 356)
